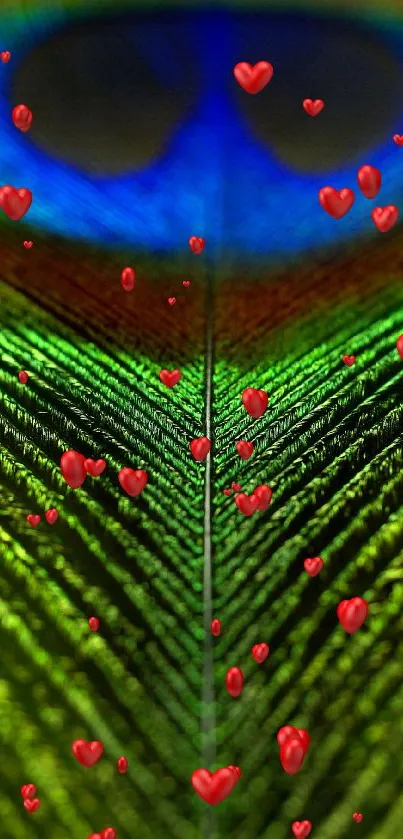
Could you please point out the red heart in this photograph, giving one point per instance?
(369, 180)
(28, 790)
(253, 78)
(292, 755)
(313, 107)
(313, 566)
(247, 504)
(260, 652)
(214, 787)
(301, 829)
(349, 360)
(186, 283)
(236, 487)
(31, 804)
(215, 627)
(87, 753)
(358, 817)
(51, 515)
(170, 377)
(93, 624)
(385, 217)
(73, 469)
(234, 681)
(132, 481)
(22, 117)
(5, 57)
(94, 467)
(398, 138)
(197, 244)
(200, 448)
(337, 204)
(255, 401)
(399, 345)
(171, 300)
(122, 764)
(23, 377)
(15, 202)
(127, 279)
(33, 520)
(352, 613)
(27, 245)
(244, 449)
(227, 491)
(263, 494)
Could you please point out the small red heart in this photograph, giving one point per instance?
(215, 627)
(349, 360)
(398, 139)
(385, 217)
(352, 613)
(263, 494)
(94, 467)
(28, 790)
(5, 57)
(313, 107)
(399, 345)
(244, 449)
(132, 481)
(253, 78)
(301, 830)
(292, 755)
(171, 301)
(358, 817)
(260, 652)
(31, 804)
(122, 764)
(227, 491)
(369, 180)
(236, 487)
(214, 787)
(128, 279)
(313, 566)
(247, 504)
(337, 204)
(27, 244)
(33, 520)
(73, 469)
(51, 515)
(186, 283)
(87, 753)
(234, 681)
(197, 244)
(200, 448)
(23, 377)
(93, 624)
(255, 401)
(15, 202)
(22, 117)
(170, 377)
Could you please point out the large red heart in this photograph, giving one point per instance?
(253, 78)
(197, 244)
(244, 449)
(385, 217)
(170, 377)
(398, 139)
(87, 753)
(94, 467)
(73, 468)
(352, 613)
(301, 829)
(263, 494)
(247, 504)
(22, 117)
(313, 107)
(132, 481)
(214, 787)
(15, 202)
(255, 401)
(313, 566)
(292, 754)
(260, 652)
(369, 180)
(200, 448)
(234, 681)
(337, 204)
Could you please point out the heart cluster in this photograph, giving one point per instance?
(28, 792)
(338, 203)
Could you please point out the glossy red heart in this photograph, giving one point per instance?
(27, 244)
(247, 504)
(87, 753)
(255, 401)
(15, 202)
(358, 817)
(94, 467)
(73, 468)
(369, 180)
(93, 624)
(313, 566)
(260, 652)
(234, 681)
(385, 217)
(197, 244)
(51, 515)
(170, 377)
(313, 107)
(132, 481)
(186, 283)
(5, 56)
(352, 613)
(33, 520)
(399, 345)
(22, 117)
(263, 494)
(253, 77)
(292, 755)
(128, 279)
(215, 627)
(244, 449)
(214, 787)
(28, 791)
(301, 830)
(171, 301)
(398, 139)
(23, 377)
(31, 804)
(122, 764)
(349, 360)
(200, 448)
(335, 203)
